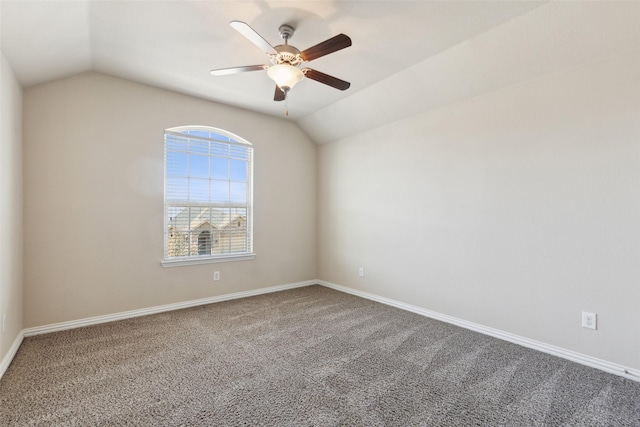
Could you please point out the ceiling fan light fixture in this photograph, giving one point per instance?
(286, 76)
(286, 71)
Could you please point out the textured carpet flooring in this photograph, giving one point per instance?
(304, 357)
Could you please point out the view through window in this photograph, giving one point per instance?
(207, 197)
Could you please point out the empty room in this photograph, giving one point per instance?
(323, 213)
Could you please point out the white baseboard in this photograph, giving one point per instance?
(158, 309)
(603, 365)
(593, 362)
(27, 332)
(6, 360)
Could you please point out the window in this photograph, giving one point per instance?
(204, 243)
(207, 196)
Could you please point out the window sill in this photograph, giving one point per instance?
(194, 261)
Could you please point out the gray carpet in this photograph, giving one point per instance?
(304, 357)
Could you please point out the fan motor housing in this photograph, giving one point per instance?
(286, 54)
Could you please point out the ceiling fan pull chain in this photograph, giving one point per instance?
(286, 105)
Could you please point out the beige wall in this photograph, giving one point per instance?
(10, 205)
(93, 176)
(516, 210)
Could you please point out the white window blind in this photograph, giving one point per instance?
(207, 194)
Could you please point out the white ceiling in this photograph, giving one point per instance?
(406, 56)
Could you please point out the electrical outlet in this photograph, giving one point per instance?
(589, 320)
(216, 276)
(361, 272)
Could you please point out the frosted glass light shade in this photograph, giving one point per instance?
(286, 76)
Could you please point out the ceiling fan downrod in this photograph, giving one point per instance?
(286, 32)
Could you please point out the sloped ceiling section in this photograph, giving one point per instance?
(45, 41)
(557, 36)
(174, 44)
(406, 57)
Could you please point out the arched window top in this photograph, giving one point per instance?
(210, 133)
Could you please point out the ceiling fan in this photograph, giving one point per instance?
(286, 60)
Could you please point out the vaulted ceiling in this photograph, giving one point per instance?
(406, 57)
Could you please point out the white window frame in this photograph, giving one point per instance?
(175, 261)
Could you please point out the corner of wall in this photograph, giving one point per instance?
(11, 212)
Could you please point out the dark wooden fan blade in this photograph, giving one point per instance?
(326, 79)
(326, 47)
(255, 38)
(237, 70)
(279, 95)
